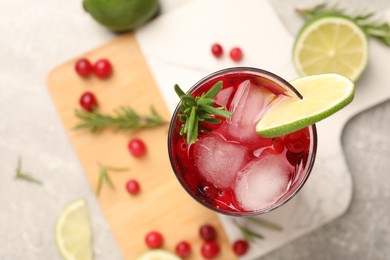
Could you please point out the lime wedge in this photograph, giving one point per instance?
(331, 44)
(158, 254)
(73, 232)
(322, 94)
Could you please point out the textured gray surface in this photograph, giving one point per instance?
(364, 231)
(36, 37)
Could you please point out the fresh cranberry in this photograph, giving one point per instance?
(207, 232)
(210, 249)
(132, 186)
(298, 141)
(88, 101)
(236, 54)
(83, 67)
(278, 145)
(294, 158)
(102, 68)
(216, 50)
(154, 239)
(183, 249)
(137, 147)
(240, 247)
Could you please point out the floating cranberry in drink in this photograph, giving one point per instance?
(230, 168)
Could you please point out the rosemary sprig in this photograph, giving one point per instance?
(125, 118)
(250, 235)
(104, 177)
(25, 176)
(199, 109)
(372, 28)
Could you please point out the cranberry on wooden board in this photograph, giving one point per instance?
(210, 249)
(183, 249)
(137, 147)
(154, 239)
(83, 67)
(132, 187)
(102, 68)
(88, 101)
(207, 232)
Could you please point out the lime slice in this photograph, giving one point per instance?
(73, 232)
(323, 95)
(158, 254)
(331, 44)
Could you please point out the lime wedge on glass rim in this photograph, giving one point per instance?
(73, 232)
(158, 254)
(323, 95)
(331, 43)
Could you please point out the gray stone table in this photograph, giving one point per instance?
(35, 37)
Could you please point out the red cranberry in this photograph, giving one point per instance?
(154, 239)
(137, 147)
(132, 186)
(298, 141)
(83, 67)
(102, 68)
(210, 249)
(240, 247)
(216, 50)
(207, 232)
(183, 249)
(88, 101)
(236, 54)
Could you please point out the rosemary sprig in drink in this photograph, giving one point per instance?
(199, 109)
(372, 28)
(123, 119)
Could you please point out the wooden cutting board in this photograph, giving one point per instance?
(162, 203)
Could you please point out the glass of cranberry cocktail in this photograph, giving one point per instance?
(230, 168)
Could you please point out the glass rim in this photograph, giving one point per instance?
(311, 156)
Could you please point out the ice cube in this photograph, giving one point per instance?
(262, 182)
(218, 161)
(223, 96)
(247, 105)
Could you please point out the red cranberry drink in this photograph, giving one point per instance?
(230, 168)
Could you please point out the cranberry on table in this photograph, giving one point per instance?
(154, 239)
(137, 147)
(83, 67)
(236, 54)
(210, 249)
(183, 249)
(240, 247)
(102, 68)
(132, 187)
(207, 232)
(88, 101)
(217, 50)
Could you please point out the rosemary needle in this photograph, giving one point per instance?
(104, 177)
(25, 176)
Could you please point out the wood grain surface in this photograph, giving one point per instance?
(162, 203)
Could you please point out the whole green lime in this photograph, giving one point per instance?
(121, 15)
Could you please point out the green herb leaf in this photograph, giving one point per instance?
(104, 177)
(367, 22)
(213, 92)
(25, 176)
(124, 118)
(199, 109)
